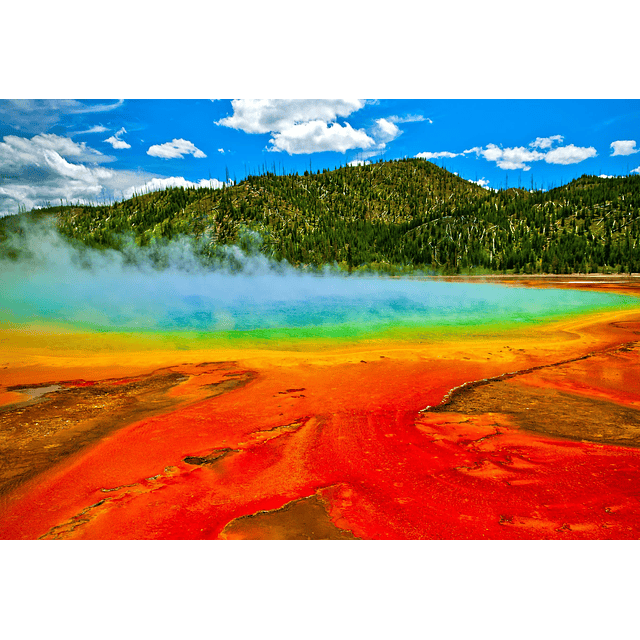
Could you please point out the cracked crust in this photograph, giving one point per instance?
(302, 519)
(39, 433)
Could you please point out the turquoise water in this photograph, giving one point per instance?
(286, 305)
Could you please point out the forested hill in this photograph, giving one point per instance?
(394, 215)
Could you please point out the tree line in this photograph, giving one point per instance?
(392, 216)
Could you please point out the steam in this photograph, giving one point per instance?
(189, 284)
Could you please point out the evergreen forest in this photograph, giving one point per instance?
(398, 216)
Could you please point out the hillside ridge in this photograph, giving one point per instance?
(398, 215)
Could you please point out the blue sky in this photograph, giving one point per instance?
(90, 150)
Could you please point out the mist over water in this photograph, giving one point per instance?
(108, 290)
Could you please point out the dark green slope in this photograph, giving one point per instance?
(407, 214)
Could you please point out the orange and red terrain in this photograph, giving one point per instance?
(531, 433)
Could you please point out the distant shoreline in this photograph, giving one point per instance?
(634, 277)
(612, 283)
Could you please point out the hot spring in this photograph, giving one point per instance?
(80, 289)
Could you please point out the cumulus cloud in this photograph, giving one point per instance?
(158, 184)
(605, 176)
(569, 154)
(177, 148)
(17, 152)
(636, 170)
(520, 157)
(311, 137)
(57, 179)
(268, 116)
(483, 182)
(383, 131)
(116, 141)
(48, 168)
(358, 163)
(546, 143)
(508, 157)
(40, 115)
(429, 155)
(309, 126)
(386, 131)
(624, 147)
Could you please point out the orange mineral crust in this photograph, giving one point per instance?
(530, 434)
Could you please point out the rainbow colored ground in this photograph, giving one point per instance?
(313, 421)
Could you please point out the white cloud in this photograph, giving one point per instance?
(569, 154)
(17, 152)
(317, 135)
(624, 147)
(358, 163)
(409, 118)
(116, 142)
(636, 170)
(605, 176)
(49, 168)
(221, 151)
(483, 182)
(177, 148)
(98, 128)
(546, 143)
(41, 115)
(97, 108)
(158, 184)
(309, 126)
(509, 157)
(385, 131)
(428, 155)
(519, 157)
(268, 116)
